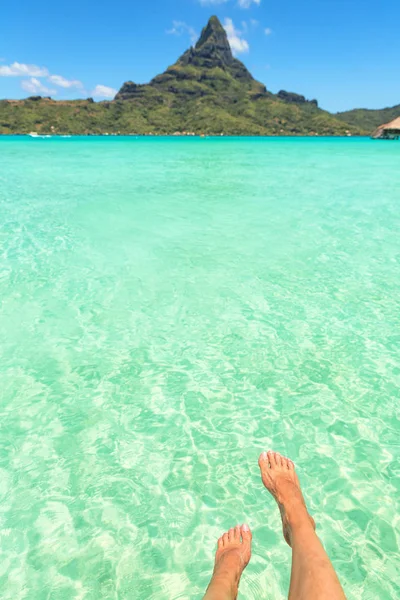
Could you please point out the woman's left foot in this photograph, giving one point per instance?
(232, 557)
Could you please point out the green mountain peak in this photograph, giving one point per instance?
(214, 41)
(211, 50)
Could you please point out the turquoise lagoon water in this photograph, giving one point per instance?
(169, 309)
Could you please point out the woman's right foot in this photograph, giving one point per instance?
(279, 477)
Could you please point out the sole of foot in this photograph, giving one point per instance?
(279, 476)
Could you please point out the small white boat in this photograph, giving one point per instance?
(36, 135)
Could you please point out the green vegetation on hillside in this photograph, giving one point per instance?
(367, 119)
(206, 91)
(210, 115)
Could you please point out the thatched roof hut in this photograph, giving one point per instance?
(389, 131)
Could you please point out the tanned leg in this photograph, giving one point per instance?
(313, 576)
(232, 557)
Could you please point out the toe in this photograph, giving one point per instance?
(285, 462)
(236, 534)
(263, 460)
(220, 543)
(246, 533)
(225, 539)
(278, 459)
(272, 460)
(290, 465)
(231, 534)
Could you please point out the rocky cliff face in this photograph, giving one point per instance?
(129, 90)
(213, 51)
(293, 98)
(212, 48)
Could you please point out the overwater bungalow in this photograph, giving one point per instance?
(389, 131)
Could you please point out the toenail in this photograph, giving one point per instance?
(264, 455)
(246, 528)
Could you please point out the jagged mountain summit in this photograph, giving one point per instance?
(207, 90)
(212, 48)
(213, 51)
(205, 65)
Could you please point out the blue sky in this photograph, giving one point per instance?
(345, 53)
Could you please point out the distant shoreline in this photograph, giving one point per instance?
(175, 136)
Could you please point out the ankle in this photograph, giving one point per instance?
(296, 514)
(228, 572)
(224, 584)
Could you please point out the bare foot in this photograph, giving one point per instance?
(232, 557)
(280, 478)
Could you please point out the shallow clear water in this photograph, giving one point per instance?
(169, 309)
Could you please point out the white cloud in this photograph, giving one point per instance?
(180, 27)
(64, 83)
(34, 86)
(22, 70)
(238, 44)
(267, 31)
(103, 91)
(248, 3)
(254, 22)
